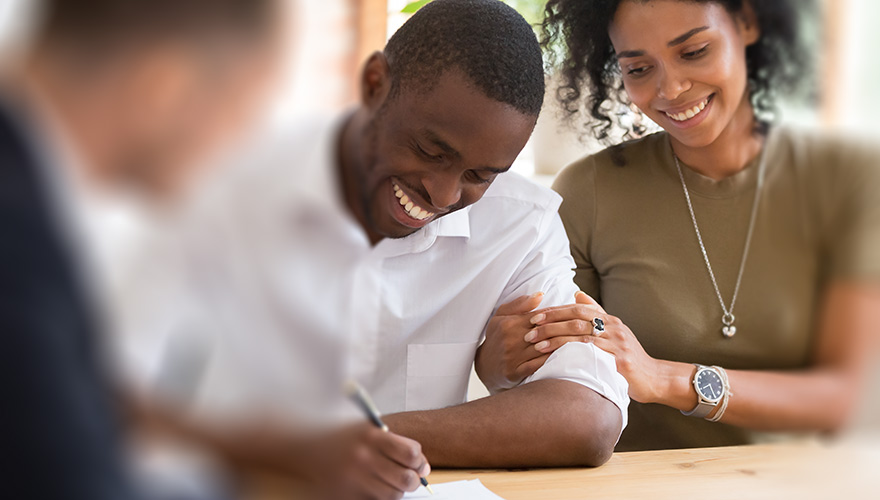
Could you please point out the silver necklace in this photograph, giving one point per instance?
(727, 319)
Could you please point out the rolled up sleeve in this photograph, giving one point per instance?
(591, 367)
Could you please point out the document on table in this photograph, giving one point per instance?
(458, 490)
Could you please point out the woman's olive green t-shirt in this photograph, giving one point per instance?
(637, 253)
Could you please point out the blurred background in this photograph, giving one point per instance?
(334, 37)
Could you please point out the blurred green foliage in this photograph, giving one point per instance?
(531, 10)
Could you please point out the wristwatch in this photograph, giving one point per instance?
(710, 388)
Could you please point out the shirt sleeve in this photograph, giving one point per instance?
(591, 367)
(548, 269)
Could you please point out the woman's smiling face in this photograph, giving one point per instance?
(684, 64)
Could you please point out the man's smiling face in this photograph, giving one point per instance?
(426, 154)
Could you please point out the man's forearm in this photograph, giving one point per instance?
(548, 423)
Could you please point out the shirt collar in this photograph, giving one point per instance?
(456, 224)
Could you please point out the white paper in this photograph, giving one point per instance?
(458, 490)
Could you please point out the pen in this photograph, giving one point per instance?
(362, 399)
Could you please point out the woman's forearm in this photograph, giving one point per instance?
(814, 400)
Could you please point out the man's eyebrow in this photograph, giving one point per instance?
(683, 38)
(440, 143)
(451, 151)
(676, 41)
(495, 170)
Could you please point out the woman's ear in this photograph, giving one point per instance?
(748, 24)
(375, 81)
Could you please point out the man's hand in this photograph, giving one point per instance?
(355, 462)
(364, 462)
(505, 359)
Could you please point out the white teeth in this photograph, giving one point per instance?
(690, 113)
(413, 210)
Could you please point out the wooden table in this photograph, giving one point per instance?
(778, 471)
(792, 471)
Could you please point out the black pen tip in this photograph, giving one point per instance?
(426, 485)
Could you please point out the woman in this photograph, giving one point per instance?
(749, 250)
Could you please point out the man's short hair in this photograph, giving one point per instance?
(105, 24)
(485, 39)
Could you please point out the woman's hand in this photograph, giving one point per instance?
(505, 359)
(556, 326)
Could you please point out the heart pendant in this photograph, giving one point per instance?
(728, 331)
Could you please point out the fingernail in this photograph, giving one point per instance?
(426, 470)
(542, 345)
(531, 336)
(538, 318)
(537, 294)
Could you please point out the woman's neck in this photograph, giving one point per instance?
(733, 150)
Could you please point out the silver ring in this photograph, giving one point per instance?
(598, 326)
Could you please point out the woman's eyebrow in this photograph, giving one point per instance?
(683, 38)
(676, 41)
(630, 53)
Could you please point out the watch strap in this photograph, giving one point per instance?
(703, 407)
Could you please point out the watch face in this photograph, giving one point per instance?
(709, 385)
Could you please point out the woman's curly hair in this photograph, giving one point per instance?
(575, 36)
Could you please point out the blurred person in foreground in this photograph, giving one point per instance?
(749, 249)
(112, 97)
(383, 245)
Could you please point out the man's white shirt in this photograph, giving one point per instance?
(288, 298)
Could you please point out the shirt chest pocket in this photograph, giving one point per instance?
(437, 374)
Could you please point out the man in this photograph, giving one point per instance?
(111, 96)
(387, 240)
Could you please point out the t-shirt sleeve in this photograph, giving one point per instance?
(576, 185)
(852, 231)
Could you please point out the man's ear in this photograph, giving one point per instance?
(375, 81)
(748, 24)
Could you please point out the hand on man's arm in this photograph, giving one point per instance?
(504, 359)
(509, 354)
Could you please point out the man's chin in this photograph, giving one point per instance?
(389, 227)
(399, 232)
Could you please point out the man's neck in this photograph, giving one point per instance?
(349, 161)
